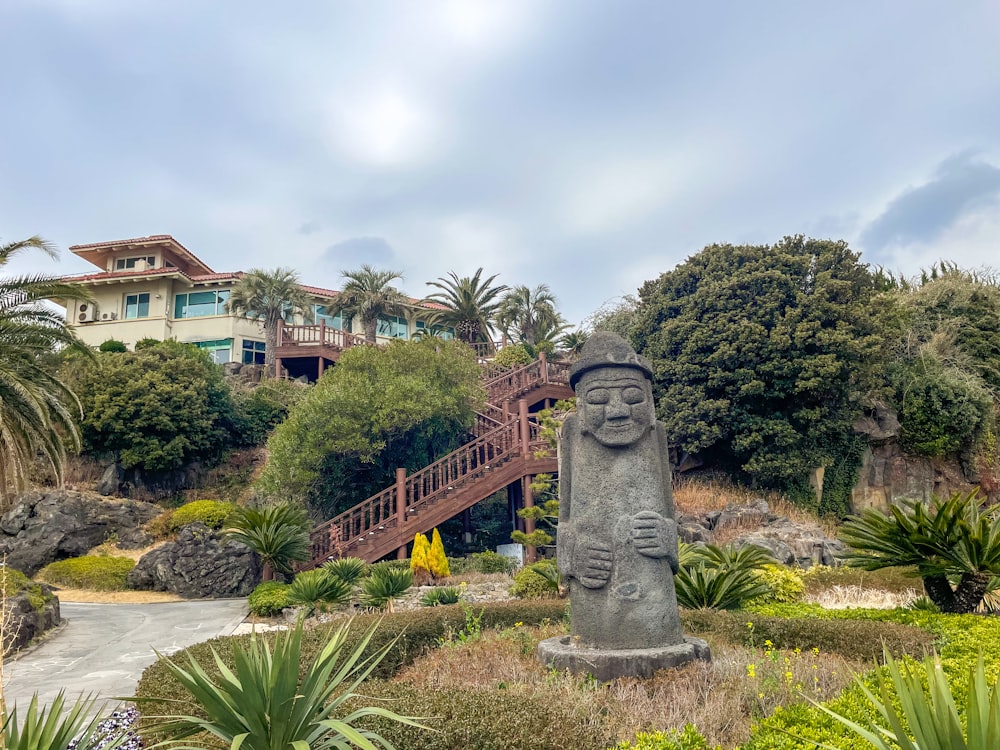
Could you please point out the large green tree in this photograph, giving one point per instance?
(270, 297)
(529, 316)
(763, 356)
(403, 405)
(368, 294)
(38, 411)
(470, 305)
(156, 409)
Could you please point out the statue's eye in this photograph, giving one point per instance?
(598, 396)
(633, 396)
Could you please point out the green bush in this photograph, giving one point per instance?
(89, 572)
(515, 355)
(112, 345)
(538, 580)
(268, 599)
(347, 569)
(146, 343)
(440, 595)
(784, 585)
(13, 582)
(492, 562)
(213, 513)
(259, 409)
(688, 738)
(720, 577)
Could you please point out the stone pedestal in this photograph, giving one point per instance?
(608, 664)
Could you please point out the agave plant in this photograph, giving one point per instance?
(261, 703)
(928, 723)
(78, 726)
(347, 569)
(440, 595)
(314, 586)
(384, 585)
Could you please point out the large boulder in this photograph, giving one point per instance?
(199, 564)
(29, 614)
(52, 524)
(792, 543)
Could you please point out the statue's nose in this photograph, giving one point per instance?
(617, 409)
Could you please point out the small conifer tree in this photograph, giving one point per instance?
(420, 560)
(437, 560)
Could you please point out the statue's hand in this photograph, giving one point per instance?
(654, 536)
(592, 563)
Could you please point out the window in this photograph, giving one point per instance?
(253, 352)
(137, 305)
(392, 326)
(444, 333)
(322, 312)
(200, 304)
(221, 350)
(128, 264)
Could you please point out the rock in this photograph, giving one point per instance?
(794, 543)
(752, 515)
(52, 524)
(692, 529)
(888, 475)
(111, 480)
(881, 425)
(27, 618)
(200, 564)
(230, 369)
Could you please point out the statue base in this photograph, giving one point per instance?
(608, 664)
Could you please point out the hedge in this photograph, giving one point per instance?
(92, 572)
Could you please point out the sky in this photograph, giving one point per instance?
(586, 144)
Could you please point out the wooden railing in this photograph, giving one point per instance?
(486, 350)
(509, 385)
(319, 334)
(393, 506)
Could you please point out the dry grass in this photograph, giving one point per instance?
(475, 577)
(846, 597)
(116, 597)
(110, 549)
(721, 697)
(697, 496)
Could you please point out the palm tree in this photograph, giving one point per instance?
(524, 314)
(471, 305)
(279, 533)
(270, 297)
(368, 295)
(38, 412)
(572, 342)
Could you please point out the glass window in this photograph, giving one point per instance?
(221, 350)
(128, 264)
(322, 312)
(443, 333)
(393, 327)
(137, 305)
(253, 352)
(201, 304)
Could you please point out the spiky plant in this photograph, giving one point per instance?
(347, 569)
(312, 587)
(367, 293)
(78, 725)
(385, 585)
(470, 303)
(279, 533)
(261, 703)
(440, 595)
(712, 577)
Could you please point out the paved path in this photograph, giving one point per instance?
(103, 648)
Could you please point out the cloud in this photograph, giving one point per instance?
(311, 227)
(350, 254)
(962, 183)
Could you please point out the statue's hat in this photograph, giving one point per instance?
(606, 349)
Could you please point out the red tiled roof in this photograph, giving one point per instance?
(222, 276)
(133, 241)
(121, 274)
(321, 292)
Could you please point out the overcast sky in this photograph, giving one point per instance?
(589, 145)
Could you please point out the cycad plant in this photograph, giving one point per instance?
(954, 546)
(79, 726)
(314, 587)
(384, 585)
(262, 704)
(712, 577)
(347, 569)
(279, 533)
(928, 722)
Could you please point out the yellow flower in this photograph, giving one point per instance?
(752, 671)
(518, 624)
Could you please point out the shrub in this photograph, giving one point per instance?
(14, 582)
(441, 595)
(538, 580)
(437, 561)
(161, 526)
(89, 572)
(516, 355)
(420, 563)
(259, 409)
(688, 738)
(268, 599)
(784, 585)
(347, 569)
(213, 513)
(493, 562)
(314, 586)
(385, 585)
(112, 345)
(146, 343)
(720, 577)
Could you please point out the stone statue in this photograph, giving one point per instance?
(617, 539)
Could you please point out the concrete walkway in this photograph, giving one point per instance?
(103, 648)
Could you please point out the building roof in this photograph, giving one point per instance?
(183, 258)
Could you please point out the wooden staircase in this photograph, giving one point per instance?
(505, 448)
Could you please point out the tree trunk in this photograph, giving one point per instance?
(939, 591)
(370, 327)
(270, 344)
(970, 592)
(267, 573)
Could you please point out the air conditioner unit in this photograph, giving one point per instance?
(141, 264)
(105, 316)
(87, 313)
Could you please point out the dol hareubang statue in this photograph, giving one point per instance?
(617, 542)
